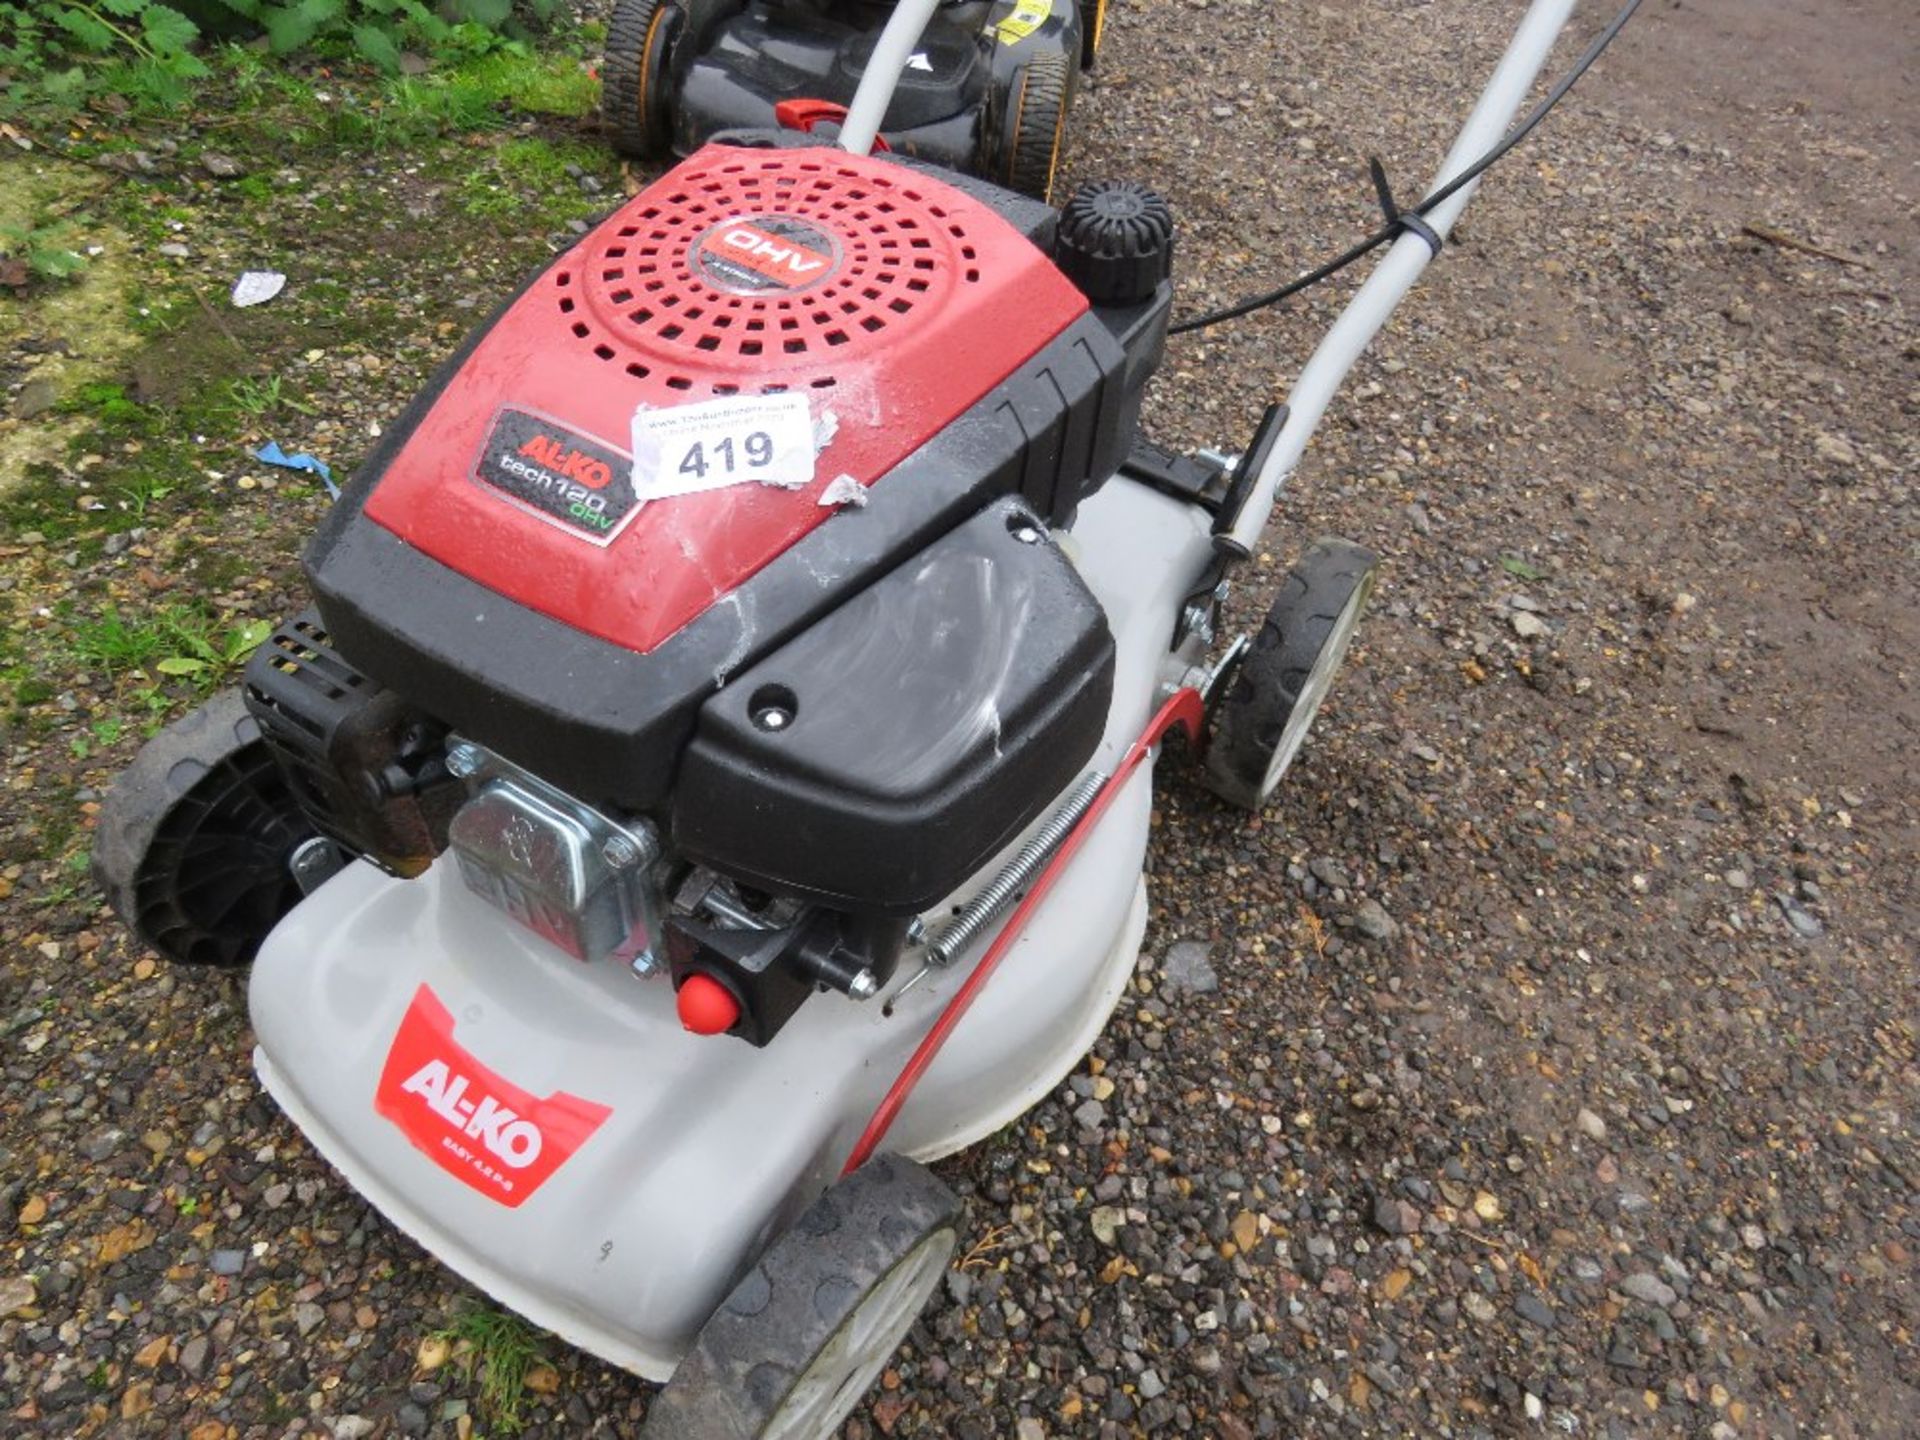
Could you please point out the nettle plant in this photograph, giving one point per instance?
(59, 51)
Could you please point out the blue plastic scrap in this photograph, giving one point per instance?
(271, 454)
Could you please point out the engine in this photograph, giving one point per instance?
(706, 604)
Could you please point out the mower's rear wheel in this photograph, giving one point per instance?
(1036, 125)
(800, 1340)
(194, 841)
(1269, 705)
(634, 77)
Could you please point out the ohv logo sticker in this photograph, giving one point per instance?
(753, 245)
(752, 254)
(475, 1124)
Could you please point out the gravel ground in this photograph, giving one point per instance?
(1542, 1061)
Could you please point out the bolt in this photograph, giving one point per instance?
(463, 761)
(313, 863)
(619, 852)
(645, 965)
(864, 986)
(1027, 535)
(1199, 622)
(916, 931)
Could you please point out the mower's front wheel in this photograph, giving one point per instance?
(634, 76)
(195, 840)
(1270, 704)
(790, 1352)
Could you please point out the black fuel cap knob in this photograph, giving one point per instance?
(1115, 241)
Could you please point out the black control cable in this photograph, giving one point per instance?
(1413, 220)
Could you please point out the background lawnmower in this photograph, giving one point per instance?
(754, 641)
(983, 89)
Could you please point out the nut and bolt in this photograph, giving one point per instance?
(463, 761)
(1198, 620)
(645, 965)
(619, 852)
(864, 985)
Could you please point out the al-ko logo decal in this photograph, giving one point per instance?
(476, 1125)
(581, 483)
(755, 254)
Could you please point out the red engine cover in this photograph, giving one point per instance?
(891, 301)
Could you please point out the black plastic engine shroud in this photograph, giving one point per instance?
(884, 754)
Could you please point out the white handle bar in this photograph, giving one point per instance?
(884, 68)
(1409, 256)
(1406, 260)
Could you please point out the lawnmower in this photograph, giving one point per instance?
(984, 88)
(714, 779)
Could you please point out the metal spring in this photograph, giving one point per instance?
(985, 908)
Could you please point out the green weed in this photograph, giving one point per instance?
(98, 736)
(257, 397)
(499, 1349)
(44, 249)
(115, 644)
(178, 641)
(137, 498)
(70, 881)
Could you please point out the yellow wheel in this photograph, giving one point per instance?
(633, 77)
(1036, 127)
(1092, 32)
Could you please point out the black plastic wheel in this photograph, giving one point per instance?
(635, 80)
(1093, 24)
(194, 840)
(1036, 125)
(809, 1329)
(1269, 704)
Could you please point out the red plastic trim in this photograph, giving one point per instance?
(803, 115)
(1183, 709)
(936, 300)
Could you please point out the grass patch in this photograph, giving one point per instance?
(107, 402)
(498, 1350)
(527, 181)
(65, 334)
(248, 396)
(180, 641)
(546, 84)
(275, 103)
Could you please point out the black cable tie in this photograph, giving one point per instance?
(1410, 222)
